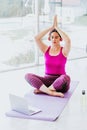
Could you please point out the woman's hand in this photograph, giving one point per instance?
(54, 26)
(55, 22)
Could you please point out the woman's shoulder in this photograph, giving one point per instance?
(47, 50)
(62, 52)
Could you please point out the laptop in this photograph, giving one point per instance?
(21, 105)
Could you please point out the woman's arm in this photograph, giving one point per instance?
(65, 37)
(67, 44)
(38, 38)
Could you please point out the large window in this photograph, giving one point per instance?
(20, 20)
(17, 29)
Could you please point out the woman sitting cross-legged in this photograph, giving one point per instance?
(55, 82)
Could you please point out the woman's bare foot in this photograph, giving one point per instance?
(37, 91)
(57, 94)
(51, 93)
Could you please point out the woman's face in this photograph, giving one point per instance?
(55, 38)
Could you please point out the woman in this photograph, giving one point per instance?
(55, 82)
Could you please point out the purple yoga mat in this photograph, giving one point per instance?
(51, 106)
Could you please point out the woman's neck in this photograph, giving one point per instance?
(55, 47)
(54, 50)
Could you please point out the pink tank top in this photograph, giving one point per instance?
(55, 64)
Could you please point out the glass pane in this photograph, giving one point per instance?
(17, 30)
(18, 27)
(72, 18)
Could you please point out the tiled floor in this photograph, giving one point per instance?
(74, 115)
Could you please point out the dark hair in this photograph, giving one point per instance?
(54, 30)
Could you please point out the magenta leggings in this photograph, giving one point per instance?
(60, 82)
